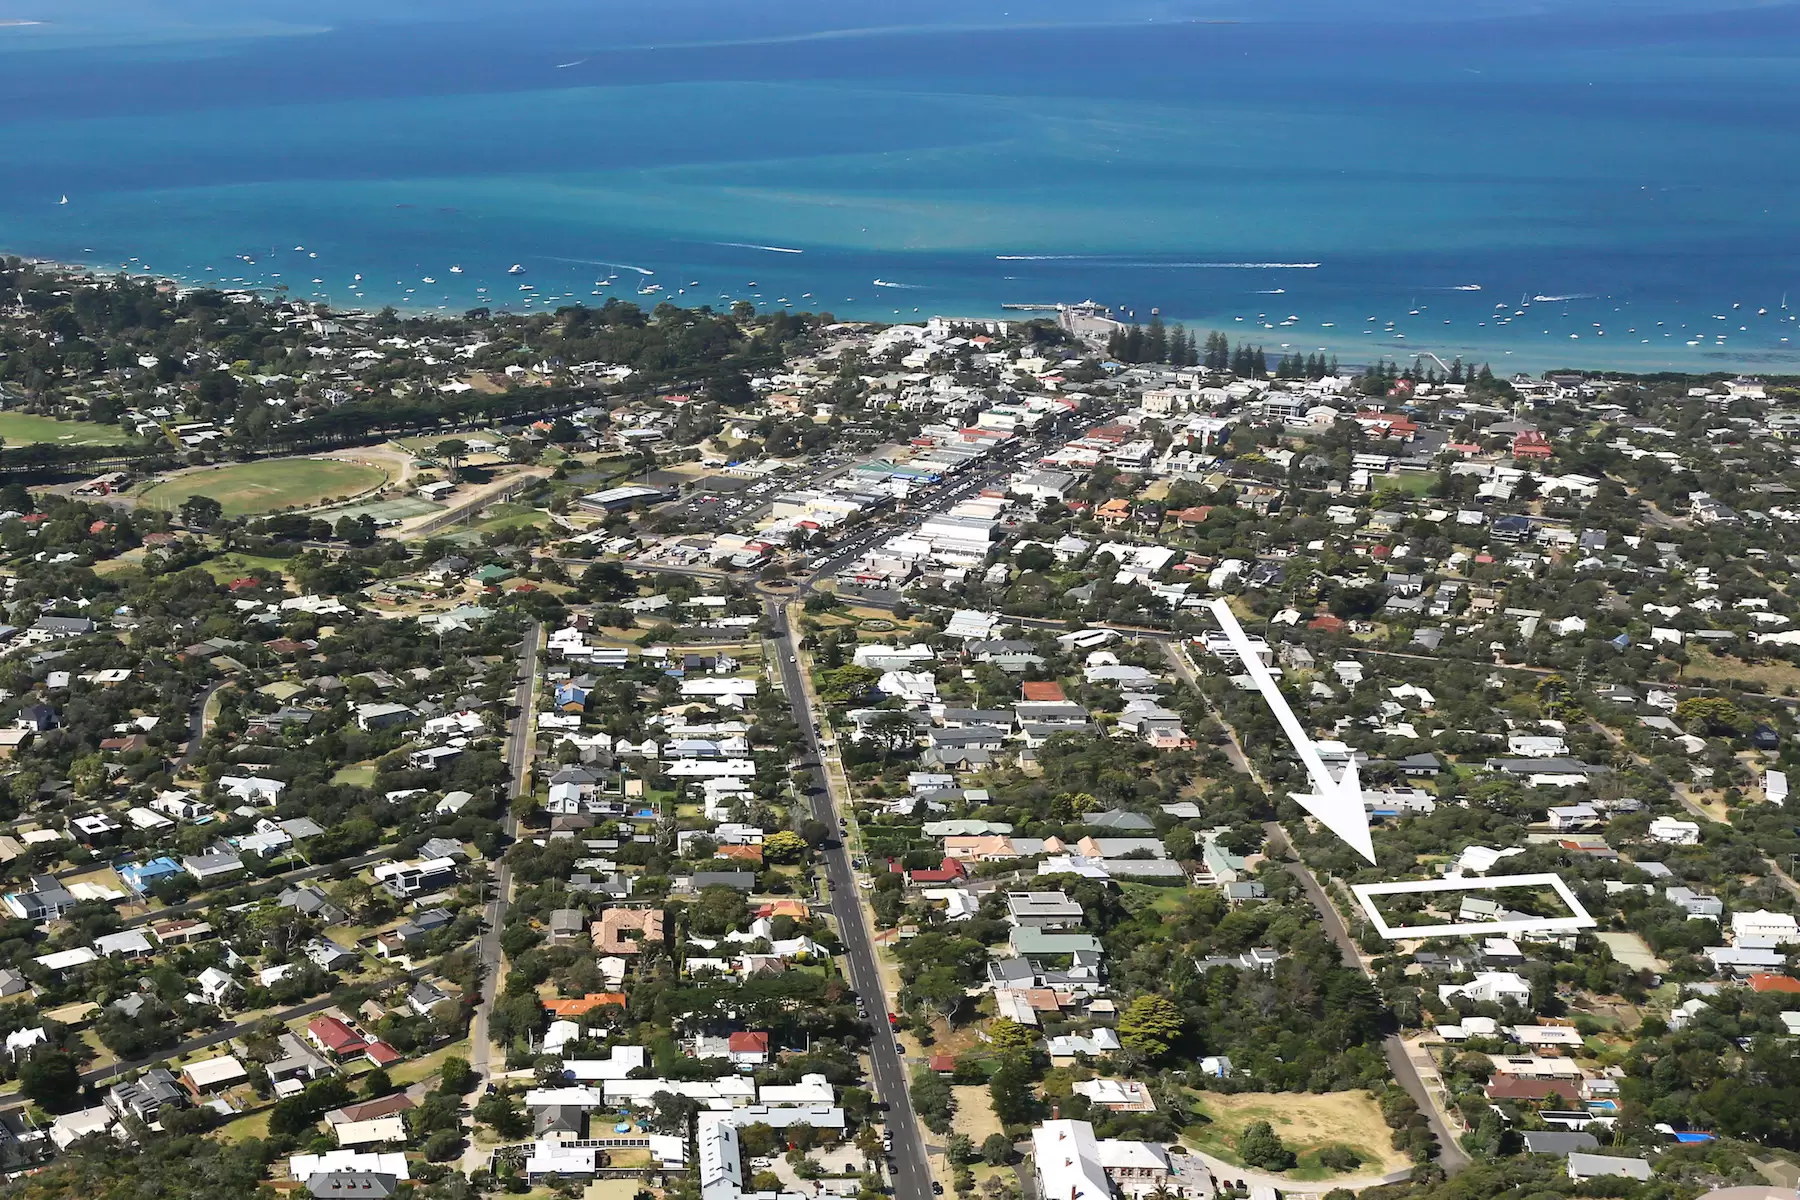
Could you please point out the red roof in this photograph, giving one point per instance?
(382, 1054)
(336, 1036)
(952, 869)
(748, 1043)
(1041, 692)
(943, 1063)
(1764, 982)
(1326, 623)
(244, 583)
(98, 527)
(1508, 1087)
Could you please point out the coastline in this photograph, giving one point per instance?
(1503, 359)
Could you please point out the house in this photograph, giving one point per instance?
(1099, 1041)
(362, 1185)
(216, 986)
(1116, 1095)
(370, 1123)
(567, 925)
(1671, 832)
(1763, 930)
(1591, 1166)
(47, 900)
(1489, 987)
(1043, 910)
(145, 1097)
(748, 1051)
(214, 1074)
(377, 716)
(212, 867)
(335, 1038)
(1558, 1142)
(624, 930)
(424, 997)
(404, 880)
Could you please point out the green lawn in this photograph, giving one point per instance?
(250, 1125)
(356, 775)
(227, 567)
(413, 1070)
(20, 429)
(247, 489)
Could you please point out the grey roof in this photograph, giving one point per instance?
(367, 1185)
(1555, 1141)
(1606, 1164)
(1118, 818)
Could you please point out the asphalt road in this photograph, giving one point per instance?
(1450, 1155)
(519, 744)
(908, 1167)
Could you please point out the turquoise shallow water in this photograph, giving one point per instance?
(1569, 183)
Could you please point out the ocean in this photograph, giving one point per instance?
(1529, 184)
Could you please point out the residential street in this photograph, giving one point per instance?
(909, 1169)
(520, 746)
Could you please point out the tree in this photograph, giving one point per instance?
(500, 1112)
(1151, 1026)
(1260, 1146)
(455, 1076)
(201, 512)
(452, 451)
(377, 1083)
(1009, 1037)
(784, 846)
(996, 1149)
(1712, 716)
(51, 1081)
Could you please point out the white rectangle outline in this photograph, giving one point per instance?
(1364, 892)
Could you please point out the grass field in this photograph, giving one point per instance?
(1771, 676)
(227, 567)
(355, 775)
(263, 487)
(20, 429)
(1306, 1123)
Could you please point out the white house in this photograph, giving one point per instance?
(1763, 930)
(1672, 832)
(1489, 987)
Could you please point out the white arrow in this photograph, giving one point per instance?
(1337, 803)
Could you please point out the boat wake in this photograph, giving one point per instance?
(595, 262)
(1178, 266)
(1554, 299)
(754, 246)
(910, 287)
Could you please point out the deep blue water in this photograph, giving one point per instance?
(1636, 162)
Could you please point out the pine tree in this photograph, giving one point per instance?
(1261, 364)
(1134, 344)
(1156, 341)
(1115, 343)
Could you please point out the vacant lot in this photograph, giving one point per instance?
(21, 429)
(1307, 1123)
(1772, 676)
(248, 489)
(974, 1113)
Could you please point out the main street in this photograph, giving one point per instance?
(910, 1172)
(521, 741)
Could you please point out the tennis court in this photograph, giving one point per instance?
(399, 508)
